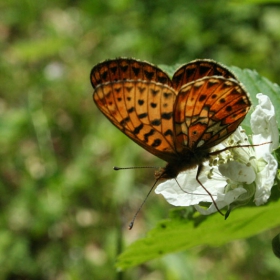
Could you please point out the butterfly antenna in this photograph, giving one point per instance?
(133, 167)
(137, 212)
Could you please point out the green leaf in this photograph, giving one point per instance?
(179, 233)
(169, 69)
(254, 84)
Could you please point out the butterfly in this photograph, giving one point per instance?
(178, 119)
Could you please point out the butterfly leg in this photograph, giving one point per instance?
(199, 169)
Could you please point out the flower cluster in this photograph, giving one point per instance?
(235, 176)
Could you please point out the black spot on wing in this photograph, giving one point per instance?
(203, 70)
(147, 135)
(104, 75)
(135, 70)
(128, 88)
(156, 143)
(177, 79)
(162, 80)
(154, 92)
(167, 116)
(228, 108)
(141, 89)
(149, 75)
(168, 132)
(138, 129)
(130, 110)
(125, 121)
(117, 89)
(124, 68)
(167, 95)
(190, 72)
(142, 116)
(156, 122)
(202, 97)
(241, 101)
(114, 69)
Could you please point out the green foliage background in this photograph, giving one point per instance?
(63, 210)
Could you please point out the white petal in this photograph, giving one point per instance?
(265, 180)
(222, 201)
(264, 127)
(238, 172)
(190, 192)
(263, 122)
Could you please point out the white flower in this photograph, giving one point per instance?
(236, 175)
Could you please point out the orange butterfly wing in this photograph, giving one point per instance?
(198, 69)
(127, 69)
(131, 96)
(207, 111)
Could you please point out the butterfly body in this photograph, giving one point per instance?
(178, 120)
(185, 161)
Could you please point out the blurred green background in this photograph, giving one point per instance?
(63, 210)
